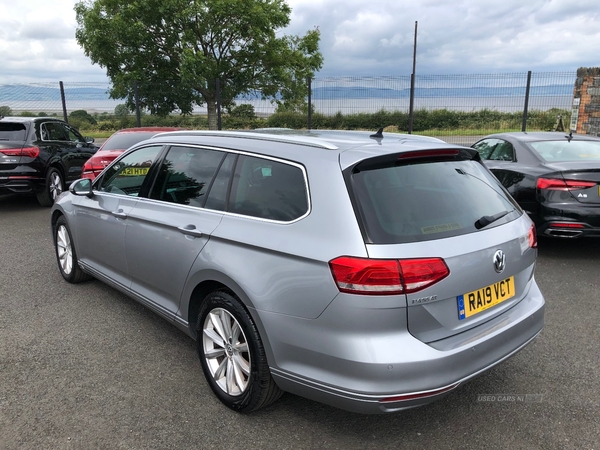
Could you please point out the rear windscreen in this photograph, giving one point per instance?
(428, 200)
(565, 150)
(123, 141)
(12, 131)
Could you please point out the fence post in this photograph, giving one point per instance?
(309, 80)
(526, 106)
(411, 106)
(64, 103)
(138, 114)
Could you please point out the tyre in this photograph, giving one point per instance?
(65, 254)
(53, 187)
(232, 355)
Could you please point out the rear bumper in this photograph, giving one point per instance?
(20, 184)
(569, 221)
(387, 369)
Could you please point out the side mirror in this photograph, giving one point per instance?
(89, 139)
(82, 186)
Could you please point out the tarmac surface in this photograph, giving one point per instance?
(85, 367)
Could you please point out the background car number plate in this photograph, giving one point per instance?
(476, 301)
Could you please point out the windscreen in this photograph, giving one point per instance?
(122, 141)
(429, 200)
(10, 131)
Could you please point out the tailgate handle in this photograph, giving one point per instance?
(119, 214)
(190, 230)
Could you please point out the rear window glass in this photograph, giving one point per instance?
(123, 141)
(426, 201)
(12, 131)
(565, 150)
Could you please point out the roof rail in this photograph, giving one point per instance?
(287, 139)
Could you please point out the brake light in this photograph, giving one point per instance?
(30, 152)
(566, 225)
(429, 154)
(386, 276)
(532, 236)
(565, 185)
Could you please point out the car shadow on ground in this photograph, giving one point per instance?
(14, 203)
(569, 249)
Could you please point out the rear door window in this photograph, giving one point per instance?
(428, 200)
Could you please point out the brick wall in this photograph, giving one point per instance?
(587, 90)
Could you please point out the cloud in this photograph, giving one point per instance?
(37, 39)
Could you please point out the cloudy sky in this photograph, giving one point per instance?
(358, 37)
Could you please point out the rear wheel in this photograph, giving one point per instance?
(66, 256)
(232, 355)
(53, 187)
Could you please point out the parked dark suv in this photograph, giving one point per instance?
(40, 155)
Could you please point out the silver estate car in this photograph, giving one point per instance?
(371, 272)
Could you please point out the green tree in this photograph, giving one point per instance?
(83, 116)
(121, 111)
(5, 111)
(176, 49)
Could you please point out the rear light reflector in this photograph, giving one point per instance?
(565, 185)
(386, 276)
(405, 397)
(30, 152)
(566, 225)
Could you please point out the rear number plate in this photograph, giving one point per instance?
(477, 301)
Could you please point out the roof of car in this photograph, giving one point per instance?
(29, 119)
(543, 136)
(148, 130)
(325, 139)
(344, 147)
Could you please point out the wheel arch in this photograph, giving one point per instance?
(209, 281)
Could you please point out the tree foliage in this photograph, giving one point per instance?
(5, 111)
(176, 49)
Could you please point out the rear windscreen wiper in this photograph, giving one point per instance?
(486, 220)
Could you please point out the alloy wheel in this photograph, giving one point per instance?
(64, 249)
(55, 185)
(226, 351)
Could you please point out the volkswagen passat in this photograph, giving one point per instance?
(370, 272)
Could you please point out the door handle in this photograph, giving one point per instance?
(190, 230)
(119, 214)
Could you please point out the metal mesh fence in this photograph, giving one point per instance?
(348, 95)
(498, 101)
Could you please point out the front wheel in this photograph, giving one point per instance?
(53, 187)
(232, 355)
(66, 256)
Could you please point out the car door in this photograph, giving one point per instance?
(102, 218)
(65, 146)
(166, 231)
(501, 157)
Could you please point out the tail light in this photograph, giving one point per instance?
(93, 167)
(532, 235)
(386, 276)
(563, 185)
(30, 152)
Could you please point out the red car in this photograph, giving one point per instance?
(117, 144)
